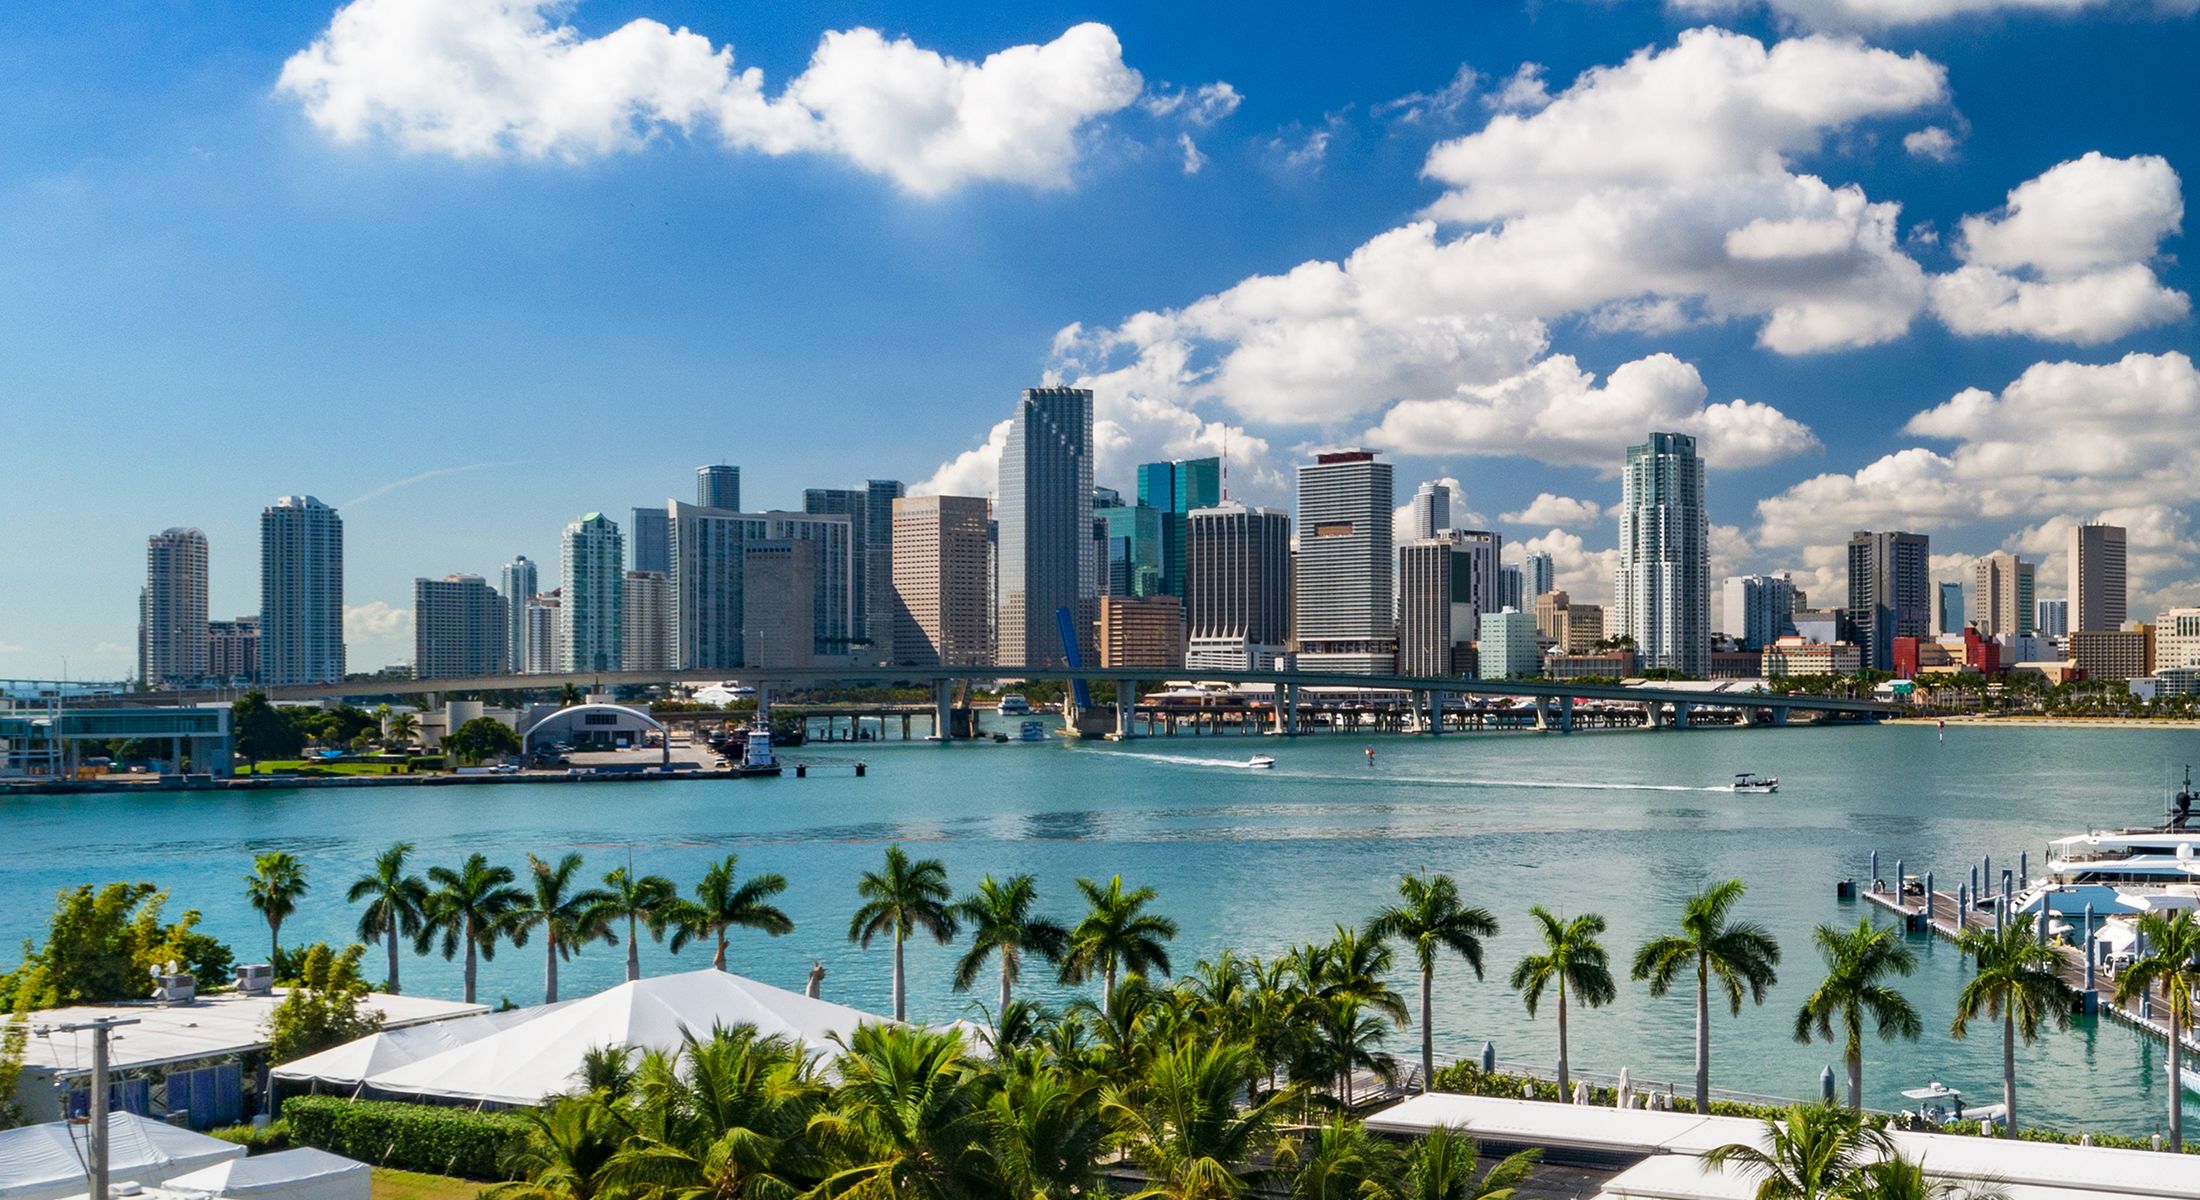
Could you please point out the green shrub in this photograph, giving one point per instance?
(424, 762)
(409, 1137)
(256, 1141)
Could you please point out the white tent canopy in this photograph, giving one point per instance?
(302, 1174)
(542, 1056)
(46, 1162)
(354, 1062)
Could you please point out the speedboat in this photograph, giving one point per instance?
(1938, 1105)
(1259, 762)
(1746, 782)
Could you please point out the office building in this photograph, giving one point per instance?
(1602, 664)
(1948, 608)
(709, 592)
(1759, 609)
(172, 634)
(1512, 588)
(2051, 618)
(1550, 614)
(779, 602)
(718, 487)
(1801, 656)
(591, 621)
(649, 540)
(1437, 620)
(1541, 571)
(1238, 574)
(1485, 572)
(1580, 628)
(2111, 654)
(233, 651)
(545, 635)
(645, 633)
(1133, 550)
(1825, 626)
(1343, 575)
(2001, 587)
(1430, 511)
(1176, 490)
(1662, 589)
(870, 513)
(2096, 578)
(520, 583)
(1890, 592)
(2177, 639)
(942, 604)
(1141, 631)
(301, 593)
(1507, 648)
(1047, 560)
(461, 628)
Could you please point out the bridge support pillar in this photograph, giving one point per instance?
(1435, 712)
(1542, 713)
(1126, 709)
(1655, 712)
(943, 709)
(1565, 714)
(1680, 715)
(1291, 710)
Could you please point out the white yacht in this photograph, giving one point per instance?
(1763, 784)
(1259, 762)
(2120, 871)
(1013, 705)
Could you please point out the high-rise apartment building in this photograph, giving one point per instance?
(2051, 618)
(1345, 564)
(1238, 574)
(545, 635)
(1890, 592)
(1047, 559)
(1176, 490)
(1485, 574)
(591, 619)
(649, 540)
(233, 651)
(1759, 609)
(1507, 647)
(301, 593)
(1430, 511)
(1141, 631)
(2096, 577)
(1542, 574)
(172, 635)
(1948, 608)
(521, 582)
(718, 486)
(1662, 589)
(461, 628)
(942, 603)
(709, 588)
(2001, 587)
(645, 634)
(870, 513)
(1512, 588)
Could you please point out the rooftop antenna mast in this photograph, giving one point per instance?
(1225, 463)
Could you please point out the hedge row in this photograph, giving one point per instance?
(410, 1137)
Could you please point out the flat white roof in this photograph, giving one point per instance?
(2091, 1169)
(1581, 1127)
(213, 1026)
(1677, 1177)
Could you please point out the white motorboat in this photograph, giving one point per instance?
(2121, 871)
(1259, 762)
(1938, 1105)
(2189, 1076)
(1746, 782)
(1031, 731)
(1013, 705)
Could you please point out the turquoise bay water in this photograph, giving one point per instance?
(1626, 824)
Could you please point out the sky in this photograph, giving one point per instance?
(468, 269)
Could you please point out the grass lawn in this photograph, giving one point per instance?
(328, 768)
(411, 1185)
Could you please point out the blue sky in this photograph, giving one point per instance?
(544, 259)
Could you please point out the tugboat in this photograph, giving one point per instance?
(757, 758)
(1746, 782)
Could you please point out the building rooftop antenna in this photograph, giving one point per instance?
(1225, 463)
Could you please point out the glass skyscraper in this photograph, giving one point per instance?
(1046, 546)
(1175, 490)
(301, 593)
(1662, 589)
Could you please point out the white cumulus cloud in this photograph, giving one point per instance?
(377, 634)
(1931, 142)
(1893, 14)
(1548, 509)
(488, 78)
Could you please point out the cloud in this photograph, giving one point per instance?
(376, 634)
(1443, 104)
(2067, 256)
(1585, 575)
(974, 472)
(1549, 509)
(422, 477)
(510, 78)
(1460, 516)
(1203, 105)
(1555, 412)
(1304, 154)
(1193, 159)
(1891, 14)
(1523, 91)
(1931, 142)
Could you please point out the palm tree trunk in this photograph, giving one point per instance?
(1856, 1078)
(2009, 1070)
(1107, 988)
(550, 969)
(718, 958)
(393, 958)
(1703, 1036)
(633, 950)
(2176, 1078)
(274, 939)
(1565, 1094)
(1001, 1013)
(469, 962)
(1428, 1035)
(901, 1011)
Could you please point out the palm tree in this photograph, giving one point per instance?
(395, 901)
(1187, 1126)
(1001, 922)
(720, 1119)
(650, 901)
(276, 884)
(722, 902)
(2172, 959)
(1741, 955)
(568, 919)
(908, 1120)
(2020, 982)
(1046, 1134)
(1344, 1162)
(1432, 920)
(1856, 963)
(1116, 934)
(468, 907)
(1440, 1166)
(563, 1151)
(1899, 1178)
(1573, 960)
(401, 728)
(1814, 1152)
(905, 897)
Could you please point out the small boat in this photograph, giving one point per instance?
(1746, 782)
(1938, 1105)
(2189, 1076)
(1031, 731)
(1259, 762)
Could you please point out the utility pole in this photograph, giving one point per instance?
(96, 1106)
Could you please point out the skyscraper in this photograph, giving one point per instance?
(545, 635)
(1542, 574)
(1759, 609)
(645, 634)
(718, 486)
(1135, 549)
(2051, 617)
(2096, 577)
(1431, 510)
(172, 633)
(941, 600)
(648, 537)
(590, 616)
(1176, 490)
(1662, 590)
(301, 593)
(2001, 586)
(461, 627)
(1512, 587)
(1345, 566)
(709, 595)
(520, 584)
(233, 651)
(1436, 615)
(778, 603)
(1045, 512)
(1238, 571)
(1948, 607)
(1890, 592)
(870, 513)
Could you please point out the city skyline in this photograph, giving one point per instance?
(330, 290)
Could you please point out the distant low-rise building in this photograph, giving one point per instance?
(1800, 656)
(2176, 681)
(1141, 631)
(1610, 664)
(2177, 638)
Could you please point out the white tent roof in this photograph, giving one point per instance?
(46, 1162)
(355, 1061)
(540, 1057)
(301, 1174)
(1536, 1123)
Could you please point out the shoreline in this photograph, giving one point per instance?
(2038, 722)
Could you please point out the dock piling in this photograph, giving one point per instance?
(1963, 906)
(1873, 875)
(2086, 948)
(2024, 868)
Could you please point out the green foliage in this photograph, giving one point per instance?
(480, 739)
(425, 762)
(101, 945)
(326, 1005)
(275, 1135)
(409, 1137)
(264, 731)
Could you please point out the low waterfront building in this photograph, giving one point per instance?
(2177, 681)
(1800, 656)
(1141, 631)
(1507, 648)
(1609, 664)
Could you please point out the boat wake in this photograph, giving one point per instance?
(1238, 764)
